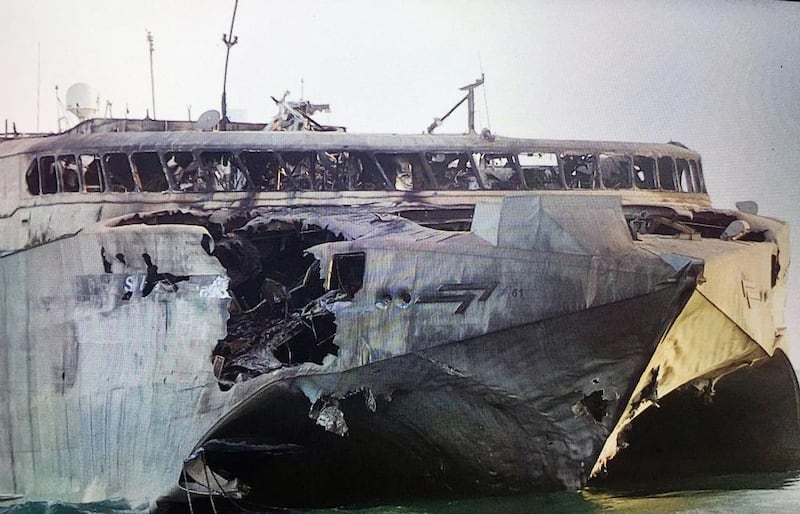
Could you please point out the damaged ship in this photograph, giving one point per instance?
(310, 318)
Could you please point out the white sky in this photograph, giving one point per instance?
(722, 77)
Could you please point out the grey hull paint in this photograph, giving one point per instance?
(499, 413)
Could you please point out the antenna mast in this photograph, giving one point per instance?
(152, 82)
(229, 40)
(470, 99)
(38, 79)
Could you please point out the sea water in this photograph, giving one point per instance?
(751, 493)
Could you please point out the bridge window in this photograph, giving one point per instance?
(360, 173)
(579, 170)
(263, 168)
(372, 175)
(697, 176)
(615, 171)
(147, 167)
(92, 174)
(222, 172)
(183, 170)
(644, 172)
(405, 171)
(47, 170)
(32, 178)
(666, 173)
(540, 170)
(452, 171)
(497, 171)
(297, 171)
(69, 174)
(684, 175)
(118, 170)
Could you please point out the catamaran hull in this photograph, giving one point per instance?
(522, 409)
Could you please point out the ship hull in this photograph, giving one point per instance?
(490, 369)
(522, 409)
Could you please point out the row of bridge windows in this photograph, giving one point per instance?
(210, 171)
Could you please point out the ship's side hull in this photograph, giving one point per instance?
(103, 389)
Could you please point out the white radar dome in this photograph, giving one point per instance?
(82, 100)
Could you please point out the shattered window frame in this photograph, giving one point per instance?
(684, 174)
(405, 170)
(32, 179)
(69, 180)
(96, 161)
(297, 170)
(212, 168)
(535, 177)
(498, 178)
(114, 177)
(571, 163)
(664, 173)
(621, 164)
(647, 180)
(261, 180)
(454, 170)
(48, 176)
(697, 175)
(150, 176)
(180, 172)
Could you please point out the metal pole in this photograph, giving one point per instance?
(229, 39)
(38, 79)
(152, 82)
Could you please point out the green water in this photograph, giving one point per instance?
(756, 493)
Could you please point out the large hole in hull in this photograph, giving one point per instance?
(278, 311)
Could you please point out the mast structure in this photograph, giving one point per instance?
(229, 39)
(152, 81)
(470, 99)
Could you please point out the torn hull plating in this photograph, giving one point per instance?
(502, 412)
(107, 384)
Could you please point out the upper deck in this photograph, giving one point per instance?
(128, 158)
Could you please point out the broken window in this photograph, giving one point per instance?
(452, 171)
(684, 175)
(578, 170)
(373, 176)
(615, 171)
(147, 167)
(497, 171)
(353, 173)
(222, 172)
(47, 170)
(540, 170)
(404, 170)
(697, 176)
(183, 169)
(32, 178)
(69, 174)
(644, 172)
(118, 170)
(666, 173)
(93, 181)
(264, 169)
(297, 171)
(347, 273)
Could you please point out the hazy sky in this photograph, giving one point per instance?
(722, 77)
